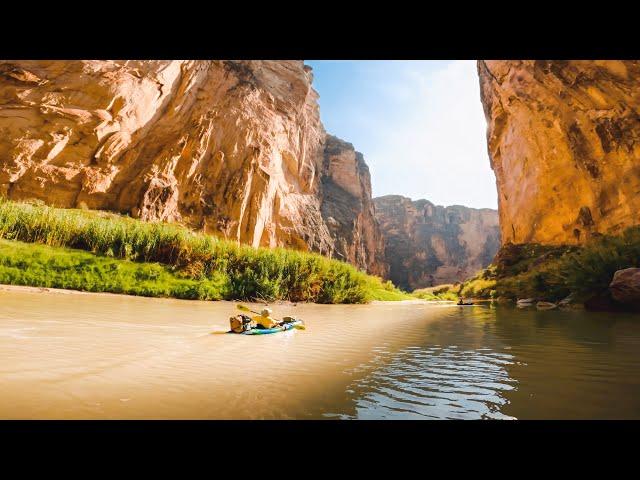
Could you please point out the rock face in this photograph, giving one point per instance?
(625, 287)
(564, 142)
(234, 148)
(348, 209)
(427, 245)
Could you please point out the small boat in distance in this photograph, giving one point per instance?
(461, 302)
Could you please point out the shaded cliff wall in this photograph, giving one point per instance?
(427, 244)
(348, 209)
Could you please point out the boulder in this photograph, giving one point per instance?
(625, 286)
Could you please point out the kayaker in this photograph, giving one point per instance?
(264, 320)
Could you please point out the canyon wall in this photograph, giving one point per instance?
(427, 244)
(234, 148)
(348, 209)
(564, 143)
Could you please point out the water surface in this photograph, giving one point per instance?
(102, 356)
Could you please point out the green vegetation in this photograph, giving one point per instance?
(234, 271)
(438, 293)
(552, 273)
(56, 267)
(387, 291)
(481, 286)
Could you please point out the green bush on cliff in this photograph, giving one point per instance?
(249, 273)
(591, 269)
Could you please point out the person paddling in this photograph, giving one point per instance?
(264, 319)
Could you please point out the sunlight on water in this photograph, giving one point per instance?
(89, 356)
(436, 382)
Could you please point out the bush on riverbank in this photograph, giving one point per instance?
(437, 293)
(478, 287)
(249, 273)
(553, 273)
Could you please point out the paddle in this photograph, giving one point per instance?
(244, 308)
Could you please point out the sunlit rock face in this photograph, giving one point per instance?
(427, 244)
(234, 148)
(564, 142)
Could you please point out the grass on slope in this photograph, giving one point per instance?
(244, 272)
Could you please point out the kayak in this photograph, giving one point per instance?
(265, 331)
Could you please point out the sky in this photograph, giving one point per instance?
(419, 124)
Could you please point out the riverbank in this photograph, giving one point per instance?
(559, 273)
(100, 251)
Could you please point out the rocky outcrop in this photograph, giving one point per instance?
(564, 142)
(625, 287)
(234, 148)
(348, 209)
(427, 245)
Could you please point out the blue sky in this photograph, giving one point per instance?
(419, 124)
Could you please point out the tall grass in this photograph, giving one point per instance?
(56, 267)
(249, 273)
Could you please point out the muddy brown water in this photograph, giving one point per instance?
(119, 357)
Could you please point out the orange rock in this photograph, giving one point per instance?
(564, 142)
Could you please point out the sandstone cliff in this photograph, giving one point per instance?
(427, 245)
(348, 209)
(234, 148)
(564, 142)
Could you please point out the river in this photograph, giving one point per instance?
(85, 356)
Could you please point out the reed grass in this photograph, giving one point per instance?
(241, 271)
(57, 267)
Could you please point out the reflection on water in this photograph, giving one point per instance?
(87, 356)
(435, 382)
(506, 364)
